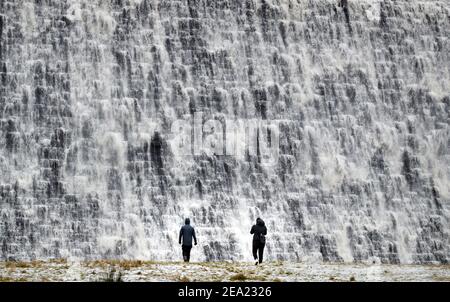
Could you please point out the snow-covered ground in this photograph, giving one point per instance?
(63, 270)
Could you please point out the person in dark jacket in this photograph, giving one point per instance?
(187, 232)
(259, 232)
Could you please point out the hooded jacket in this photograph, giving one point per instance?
(258, 229)
(187, 232)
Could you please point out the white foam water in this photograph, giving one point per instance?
(359, 91)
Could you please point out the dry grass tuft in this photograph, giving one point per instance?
(183, 279)
(441, 278)
(24, 264)
(10, 279)
(58, 261)
(124, 264)
(239, 277)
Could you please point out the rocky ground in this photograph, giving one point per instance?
(63, 270)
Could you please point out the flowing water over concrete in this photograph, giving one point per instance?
(359, 91)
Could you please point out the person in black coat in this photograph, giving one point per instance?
(259, 232)
(187, 232)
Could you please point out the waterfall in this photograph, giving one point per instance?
(97, 96)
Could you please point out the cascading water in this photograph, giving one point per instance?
(359, 91)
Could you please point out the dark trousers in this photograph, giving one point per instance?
(186, 252)
(258, 250)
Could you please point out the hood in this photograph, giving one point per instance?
(260, 222)
(187, 221)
